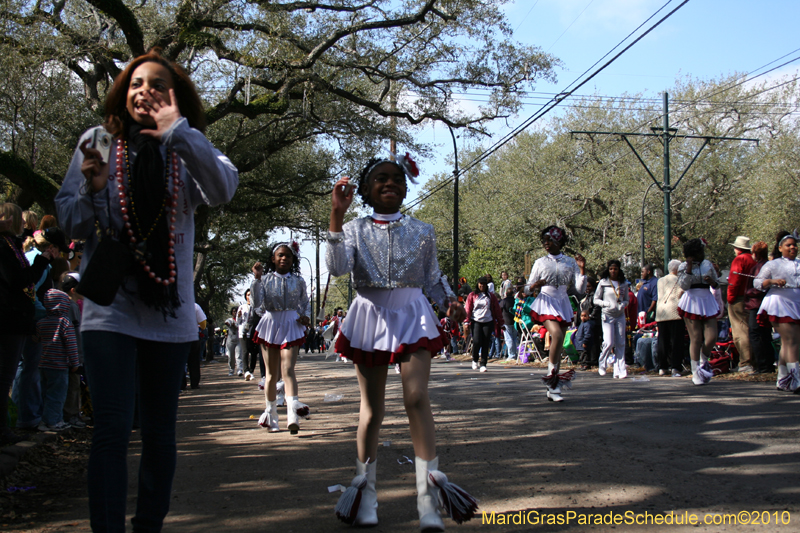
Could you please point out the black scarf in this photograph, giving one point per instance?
(150, 195)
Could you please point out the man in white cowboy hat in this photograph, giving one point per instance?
(737, 286)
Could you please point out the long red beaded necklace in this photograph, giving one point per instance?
(123, 166)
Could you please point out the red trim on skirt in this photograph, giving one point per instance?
(692, 316)
(541, 318)
(297, 342)
(382, 357)
(765, 320)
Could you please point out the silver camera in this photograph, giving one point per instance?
(102, 141)
(349, 188)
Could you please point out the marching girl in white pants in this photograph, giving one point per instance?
(781, 306)
(612, 296)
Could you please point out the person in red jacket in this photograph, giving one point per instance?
(485, 317)
(738, 315)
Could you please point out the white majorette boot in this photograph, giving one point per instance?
(359, 503)
(791, 381)
(280, 389)
(782, 373)
(555, 381)
(292, 420)
(435, 492)
(269, 418)
(701, 372)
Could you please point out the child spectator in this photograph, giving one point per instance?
(59, 358)
(584, 339)
(72, 405)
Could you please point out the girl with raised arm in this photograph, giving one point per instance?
(391, 258)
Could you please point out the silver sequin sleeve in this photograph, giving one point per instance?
(399, 254)
(340, 254)
(276, 293)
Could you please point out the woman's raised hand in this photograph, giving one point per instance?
(164, 113)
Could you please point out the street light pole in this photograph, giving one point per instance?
(643, 201)
(455, 209)
(311, 307)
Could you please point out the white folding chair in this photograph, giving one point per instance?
(526, 343)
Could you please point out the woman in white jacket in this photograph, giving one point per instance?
(612, 296)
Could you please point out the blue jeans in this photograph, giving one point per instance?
(511, 340)
(495, 348)
(645, 354)
(54, 394)
(117, 367)
(27, 387)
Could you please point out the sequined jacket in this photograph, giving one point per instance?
(557, 271)
(695, 279)
(400, 254)
(780, 268)
(274, 292)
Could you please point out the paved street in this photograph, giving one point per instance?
(646, 447)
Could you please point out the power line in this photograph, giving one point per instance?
(571, 23)
(635, 99)
(578, 106)
(628, 154)
(526, 16)
(555, 100)
(687, 104)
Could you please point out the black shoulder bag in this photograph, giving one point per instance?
(108, 266)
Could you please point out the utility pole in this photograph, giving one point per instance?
(316, 239)
(666, 187)
(666, 134)
(454, 282)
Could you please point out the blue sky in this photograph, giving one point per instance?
(704, 39)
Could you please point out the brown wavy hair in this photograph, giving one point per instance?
(760, 251)
(189, 102)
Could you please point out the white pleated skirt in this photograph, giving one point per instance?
(383, 324)
(552, 304)
(698, 304)
(781, 303)
(280, 329)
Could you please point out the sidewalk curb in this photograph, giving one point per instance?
(10, 456)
